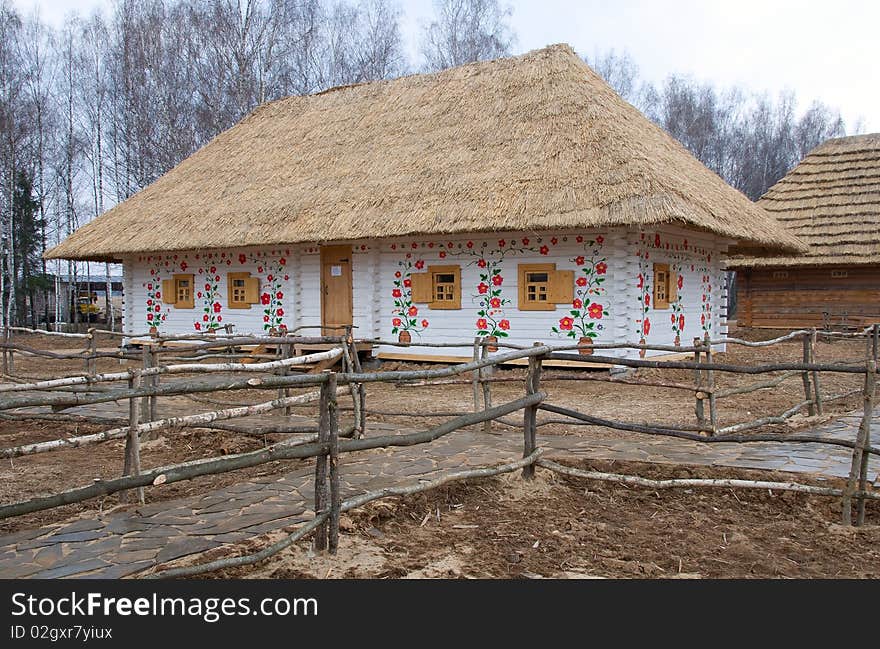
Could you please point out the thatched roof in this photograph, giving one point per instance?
(526, 143)
(831, 202)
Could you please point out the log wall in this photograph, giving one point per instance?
(788, 298)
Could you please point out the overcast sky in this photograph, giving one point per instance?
(821, 50)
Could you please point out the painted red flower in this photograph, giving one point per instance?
(269, 278)
(414, 245)
(482, 324)
(501, 243)
(199, 294)
(286, 277)
(279, 312)
(282, 261)
(397, 274)
(396, 293)
(579, 239)
(442, 254)
(554, 241)
(149, 287)
(207, 287)
(576, 303)
(641, 281)
(482, 287)
(579, 261)
(449, 245)
(424, 323)
(149, 302)
(595, 311)
(217, 278)
(680, 281)
(198, 326)
(566, 323)
(703, 319)
(149, 316)
(412, 312)
(279, 295)
(495, 303)
(646, 326)
(396, 322)
(265, 318)
(216, 307)
(497, 280)
(601, 268)
(470, 244)
(205, 317)
(430, 244)
(158, 295)
(259, 269)
(481, 263)
(219, 318)
(157, 308)
(265, 298)
(242, 259)
(581, 281)
(647, 300)
(525, 241)
(183, 265)
(681, 322)
(420, 264)
(656, 240)
(673, 318)
(504, 324)
(213, 269)
(544, 250)
(407, 283)
(600, 239)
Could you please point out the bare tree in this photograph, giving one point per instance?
(464, 31)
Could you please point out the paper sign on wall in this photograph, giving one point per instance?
(335, 271)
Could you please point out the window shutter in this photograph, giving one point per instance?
(169, 294)
(673, 287)
(422, 287)
(456, 304)
(561, 286)
(661, 286)
(252, 290)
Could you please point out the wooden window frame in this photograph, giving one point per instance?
(523, 271)
(190, 302)
(455, 302)
(246, 301)
(662, 293)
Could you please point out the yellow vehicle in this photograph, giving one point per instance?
(87, 305)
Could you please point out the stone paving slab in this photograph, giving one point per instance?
(123, 543)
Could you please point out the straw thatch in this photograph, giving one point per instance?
(526, 143)
(831, 202)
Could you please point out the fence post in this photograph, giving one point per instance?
(362, 391)
(354, 388)
(286, 353)
(91, 348)
(486, 373)
(476, 381)
(148, 405)
(871, 385)
(335, 497)
(132, 461)
(855, 471)
(805, 375)
(530, 414)
(699, 409)
(817, 393)
(710, 384)
(321, 532)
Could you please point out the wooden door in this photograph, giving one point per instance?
(336, 288)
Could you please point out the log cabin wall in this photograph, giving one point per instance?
(790, 298)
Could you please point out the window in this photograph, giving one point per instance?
(839, 274)
(439, 288)
(665, 286)
(542, 287)
(178, 291)
(780, 274)
(242, 290)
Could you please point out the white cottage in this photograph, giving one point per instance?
(519, 198)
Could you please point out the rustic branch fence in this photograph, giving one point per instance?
(160, 357)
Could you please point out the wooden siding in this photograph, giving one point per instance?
(797, 297)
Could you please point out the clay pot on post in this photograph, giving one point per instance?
(586, 346)
(677, 341)
(404, 337)
(642, 352)
(154, 331)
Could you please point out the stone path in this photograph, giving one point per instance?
(120, 544)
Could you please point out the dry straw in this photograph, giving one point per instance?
(532, 142)
(831, 202)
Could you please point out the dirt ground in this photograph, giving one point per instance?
(582, 528)
(561, 527)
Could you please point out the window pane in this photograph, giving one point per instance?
(536, 277)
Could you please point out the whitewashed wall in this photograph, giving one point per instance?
(290, 277)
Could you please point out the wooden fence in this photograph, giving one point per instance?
(329, 436)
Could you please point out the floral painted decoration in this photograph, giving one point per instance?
(404, 315)
(154, 313)
(207, 285)
(273, 273)
(587, 310)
